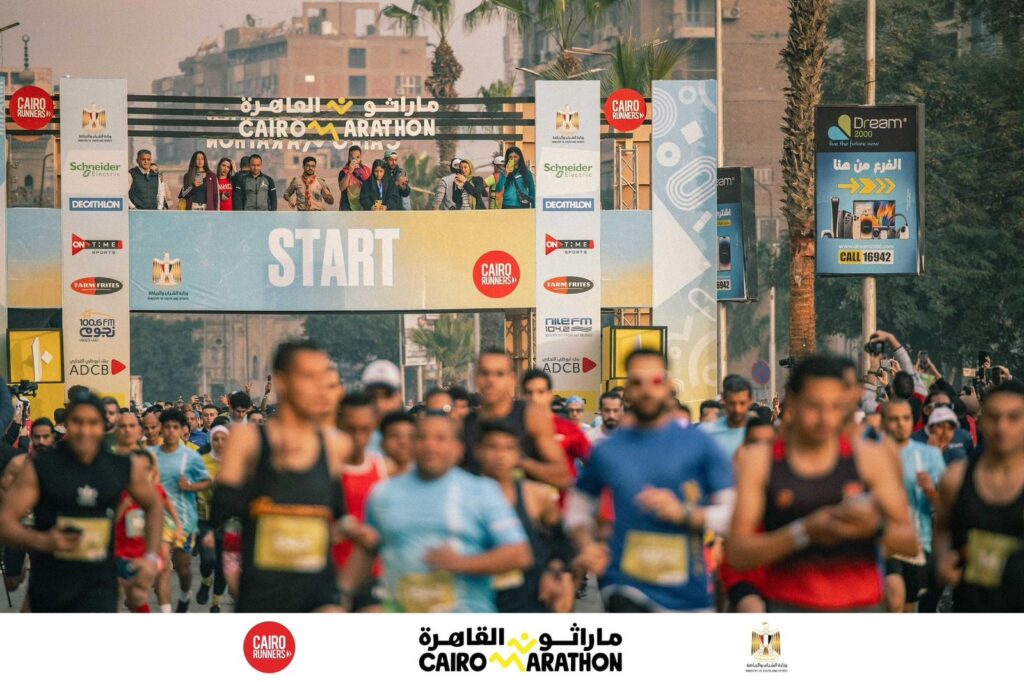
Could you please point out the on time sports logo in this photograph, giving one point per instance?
(95, 204)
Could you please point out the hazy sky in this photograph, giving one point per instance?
(145, 40)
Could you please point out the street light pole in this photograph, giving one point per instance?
(723, 322)
(870, 320)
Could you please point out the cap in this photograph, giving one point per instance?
(498, 160)
(574, 400)
(941, 415)
(382, 373)
(456, 162)
(389, 153)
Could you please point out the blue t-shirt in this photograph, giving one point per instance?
(728, 438)
(663, 561)
(173, 465)
(412, 515)
(921, 457)
(199, 438)
(957, 448)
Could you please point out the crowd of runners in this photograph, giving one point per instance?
(855, 492)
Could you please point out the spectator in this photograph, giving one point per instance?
(351, 179)
(225, 184)
(243, 164)
(199, 187)
(147, 191)
(469, 189)
(379, 193)
(944, 432)
(308, 192)
(254, 191)
(444, 197)
(399, 177)
(518, 186)
(494, 180)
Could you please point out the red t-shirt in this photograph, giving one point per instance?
(227, 192)
(357, 481)
(130, 533)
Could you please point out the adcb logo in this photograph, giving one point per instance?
(269, 647)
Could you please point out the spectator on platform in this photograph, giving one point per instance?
(444, 192)
(400, 178)
(225, 184)
(254, 191)
(351, 179)
(494, 180)
(308, 192)
(469, 189)
(147, 191)
(379, 193)
(518, 185)
(199, 187)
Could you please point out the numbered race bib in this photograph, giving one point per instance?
(94, 542)
(135, 523)
(427, 592)
(656, 558)
(295, 544)
(508, 580)
(986, 557)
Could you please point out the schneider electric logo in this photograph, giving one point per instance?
(570, 170)
(88, 170)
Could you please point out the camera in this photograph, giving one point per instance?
(23, 387)
(874, 347)
(788, 363)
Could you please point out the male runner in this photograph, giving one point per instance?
(443, 533)
(979, 521)
(283, 479)
(182, 474)
(398, 434)
(610, 408)
(809, 507)
(669, 483)
(543, 458)
(74, 489)
(906, 577)
(129, 433)
(730, 429)
(537, 389)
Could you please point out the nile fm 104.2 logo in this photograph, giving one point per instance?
(766, 650)
(476, 649)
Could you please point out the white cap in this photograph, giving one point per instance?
(382, 373)
(942, 414)
(498, 160)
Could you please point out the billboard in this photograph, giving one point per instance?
(869, 189)
(737, 235)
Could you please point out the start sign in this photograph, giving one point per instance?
(31, 107)
(625, 110)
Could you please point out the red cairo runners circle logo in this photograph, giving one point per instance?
(269, 647)
(625, 110)
(31, 107)
(496, 274)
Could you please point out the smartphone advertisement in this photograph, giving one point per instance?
(737, 236)
(869, 190)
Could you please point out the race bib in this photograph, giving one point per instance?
(135, 523)
(986, 557)
(656, 558)
(427, 592)
(94, 542)
(508, 580)
(295, 544)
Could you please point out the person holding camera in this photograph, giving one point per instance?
(351, 179)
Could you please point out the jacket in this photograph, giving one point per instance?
(360, 175)
(212, 192)
(390, 198)
(249, 190)
(138, 196)
(517, 185)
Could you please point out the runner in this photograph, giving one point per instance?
(151, 428)
(182, 474)
(543, 458)
(548, 585)
(611, 411)
(669, 483)
(211, 539)
(398, 433)
(283, 481)
(537, 389)
(357, 416)
(129, 433)
(730, 429)
(809, 507)
(906, 577)
(442, 533)
(74, 489)
(979, 522)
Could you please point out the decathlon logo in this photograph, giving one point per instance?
(95, 204)
(569, 204)
(476, 649)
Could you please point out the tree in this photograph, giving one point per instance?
(563, 19)
(422, 177)
(637, 65)
(493, 93)
(804, 59)
(445, 69)
(166, 356)
(450, 344)
(355, 339)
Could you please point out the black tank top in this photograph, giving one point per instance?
(990, 539)
(286, 558)
(515, 421)
(85, 496)
(522, 598)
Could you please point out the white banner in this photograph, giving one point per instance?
(94, 234)
(568, 236)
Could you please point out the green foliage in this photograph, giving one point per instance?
(166, 356)
(638, 64)
(422, 178)
(355, 339)
(493, 92)
(450, 344)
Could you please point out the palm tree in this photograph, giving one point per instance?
(450, 344)
(561, 18)
(804, 58)
(445, 69)
(637, 65)
(422, 178)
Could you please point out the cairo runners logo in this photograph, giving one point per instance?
(269, 647)
(766, 650)
(476, 649)
(496, 274)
